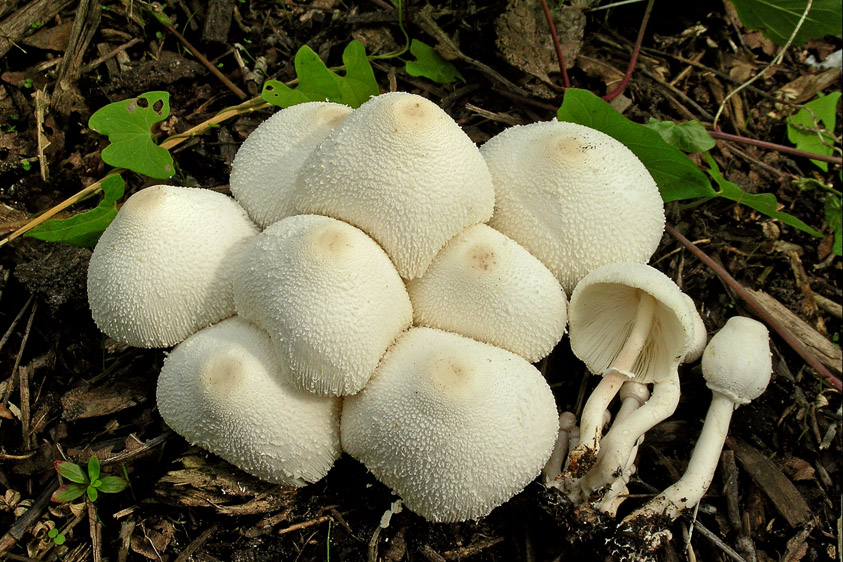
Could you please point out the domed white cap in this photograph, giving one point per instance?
(264, 170)
(737, 361)
(223, 389)
(576, 198)
(456, 427)
(329, 297)
(485, 286)
(161, 270)
(403, 171)
(603, 308)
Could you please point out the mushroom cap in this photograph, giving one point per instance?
(400, 169)
(265, 167)
(485, 286)
(161, 270)
(737, 361)
(700, 338)
(456, 427)
(223, 389)
(329, 297)
(576, 198)
(603, 308)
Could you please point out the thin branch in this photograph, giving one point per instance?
(757, 309)
(565, 80)
(718, 134)
(634, 58)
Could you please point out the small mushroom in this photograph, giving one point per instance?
(574, 197)
(224, 390)
(161, 270)
(485, 286)
(737, 365)
(455, 426)
(400, 169)
(626, 321)
(265, 167)
(329, 297)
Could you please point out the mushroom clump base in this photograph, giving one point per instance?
(370, 261)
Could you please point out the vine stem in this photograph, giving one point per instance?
(565, 80)
(757, 309)
(718, 134)
(634, 58)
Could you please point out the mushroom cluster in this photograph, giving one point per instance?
(378, 285)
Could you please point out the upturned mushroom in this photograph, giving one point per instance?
(328, 296)
(627, 321)
(162, 269)
(400, 169)
(454, 426)
(265, 167)
(224, 390)
(737, 365)
(485, 286)
(574, 197)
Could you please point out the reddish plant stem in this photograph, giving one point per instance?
(757, 309)
(718, 134)
(565, 80)
(634, 58)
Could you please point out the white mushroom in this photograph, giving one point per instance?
(737, 366)
(329, 297)
(224, 390)
(626, 321)
(576, 198)
(161, 270)
(264, 170)
(400, 169)
(485, 286)
(456, 427)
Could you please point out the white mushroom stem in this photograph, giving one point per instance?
(615, 376)
(553, 468)
(617, 491)
(689, 489)
(619, 446)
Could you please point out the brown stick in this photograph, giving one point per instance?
(757, 309)
(718, 134)
(21, 22)
(206, 63)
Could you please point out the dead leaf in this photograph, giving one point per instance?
(806, 87)
(798, 469)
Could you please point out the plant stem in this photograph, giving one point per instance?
(634, 58)
(718, 134)
(565, 80)
(757, 309)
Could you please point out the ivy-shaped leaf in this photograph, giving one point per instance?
(764, 203)
(430, 64)
(85, 228)
(802, 128)
(128, 124)
(675, 174)
(318, 83)
(778, 18)
(690, 136)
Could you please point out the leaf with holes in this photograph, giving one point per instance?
(430, 64)
(318, 83)
(675, 174)
(85, 228)
(128, 124)
(777, 19)
(809, 128)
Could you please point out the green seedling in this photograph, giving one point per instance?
(777, 19)
(430, 64)
(90, 483)
(128, 124)
(318, 83)
(809, 128)
(58, 538)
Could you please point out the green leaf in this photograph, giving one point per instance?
(802, 128)
(675, 174)
(690, 136)
(834, 216)
(92, 493)
(318, 83)
(128, 124)
(764, 203)
(112, 484)
(68, 492)
(430, 64)
(85, 228)
(71, 471)
(59, 539)
(778, 18)
(93, 468)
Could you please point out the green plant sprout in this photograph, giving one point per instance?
(58, 537)
(90, 483)
(809, 128)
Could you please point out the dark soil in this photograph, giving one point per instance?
(68, 392)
